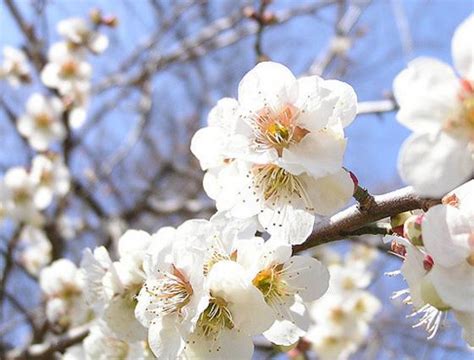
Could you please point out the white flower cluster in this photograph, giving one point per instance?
(276, 153)
(24, 195)
(438, 107)
(202, 290)
(439, 262)
(341, 317)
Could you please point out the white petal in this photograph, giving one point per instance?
(466, 320)
(463, 48)
(434, 164)
(164, 338)
(133, 241)
(455, 285)
(120, 317)
(346, 106)
(267, 84)
(330, 193)
(446, 235)
(228, 345)
(98, 43)
(224, 114)
(318, 153)
(308, 276)
(315, 104)
(208, 145)
(288, 332)
(427, 94)
(287, 224)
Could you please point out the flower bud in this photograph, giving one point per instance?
(412, 229)
(110, 20)
(96, 16)
(428, 262)
(397, 222)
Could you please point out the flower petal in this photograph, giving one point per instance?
(462, 48)
(434, 164)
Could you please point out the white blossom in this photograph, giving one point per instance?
(67, 71)
(14, 68)
(79, 33)
(37, 249)
(51, 176)
(42, 124)
(438, 107)
(276, 153)
(287, 283)
(19, 198)
(111, 287)
(62, 285)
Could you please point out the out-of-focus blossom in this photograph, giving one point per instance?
(51, 176)
(438, 106)
(62, 285)
(66, 70)
(341, 317)
(42, 124)
(19, 197)
(36, 251)
(79, 32)
(14, 68)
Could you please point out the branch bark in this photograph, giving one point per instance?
(349, 221)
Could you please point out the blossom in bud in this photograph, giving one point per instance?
(412, 229)
(398, 221)
(437, 106)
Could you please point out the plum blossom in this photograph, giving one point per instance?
(236, 311)
(42, 124)
(62, 285)
(51, 176)
(66, 70)
(288, 283)
(438, 106)
(37, 249)
(340, 318)
(448, 236)
(19, 197)
(14, 68)
(277, 151)
(173, 295)
(111, 287)
(79, 33)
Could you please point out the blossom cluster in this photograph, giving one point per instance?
(437, 248)
(340, 319)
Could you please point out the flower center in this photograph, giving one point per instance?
(171, 293)
(215, 318)
(277, 129)
(276, 183)
(462, 123)
(69, 69)
(21, 196)
(270, 283)
(43, 120)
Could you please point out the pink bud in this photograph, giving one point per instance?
(428, 262)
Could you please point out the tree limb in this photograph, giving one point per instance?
(348, 221)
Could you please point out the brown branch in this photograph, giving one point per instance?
(46, 350)
(347, 222)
